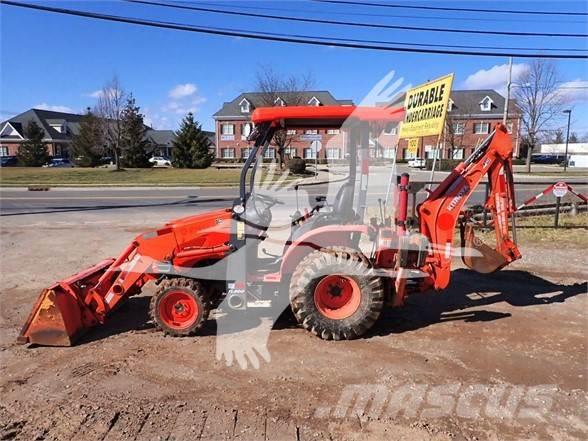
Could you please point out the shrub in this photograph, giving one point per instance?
(297, 165)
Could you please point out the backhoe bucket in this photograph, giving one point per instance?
(60, 315)
(477, 255)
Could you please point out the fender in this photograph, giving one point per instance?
(316, 239)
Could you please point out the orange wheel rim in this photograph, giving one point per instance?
(337, 297)
(178, 310)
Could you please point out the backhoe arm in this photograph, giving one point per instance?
(440, 212)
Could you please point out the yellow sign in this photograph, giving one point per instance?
(413, 146)
(425, 107)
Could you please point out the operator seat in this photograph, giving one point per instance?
(343, 204)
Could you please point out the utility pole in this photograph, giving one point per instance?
(569, 112)
(508, 86)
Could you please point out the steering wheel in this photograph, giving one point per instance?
(267, 200)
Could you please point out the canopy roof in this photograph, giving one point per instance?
(304, 116)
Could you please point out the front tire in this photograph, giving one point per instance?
(335, 295)
(179, 307)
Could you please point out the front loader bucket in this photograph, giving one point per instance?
(60, 315)
(477, 255)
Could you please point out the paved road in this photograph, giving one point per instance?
(19, 201)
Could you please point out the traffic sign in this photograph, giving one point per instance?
(560, 189)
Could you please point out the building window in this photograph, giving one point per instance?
(245, 153)
(389, 153)
(314, 101)
(245, 106)
(457, 153)
(311, 132)
(458, 128)
(431, 152)
(291, 132)
(486, 104)
(309, 153)
(246, 130)
(450, 105)
(3, 150)
(333, 131)
(333, 153)
(481, 128)
(509, 127)
(408, 155)
(391, 129)
(290, 151)
(228, 129)
(270, 153)
(228, 153)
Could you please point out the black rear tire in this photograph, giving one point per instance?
(351, 265)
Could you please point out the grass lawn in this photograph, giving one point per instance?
(539, 230)
(23, 176)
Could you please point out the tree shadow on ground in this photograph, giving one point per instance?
(469, 289)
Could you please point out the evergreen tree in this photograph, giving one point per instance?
(33, 152)
(87, 145)
(190, 148)
(134, 142)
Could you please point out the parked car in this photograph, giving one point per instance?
(547, 159)
(417, 163)
(8, 161)
(160, 161)
(59, 162)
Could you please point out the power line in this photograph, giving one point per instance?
(377, 41)
(281, 38)
(444, 8)
(381, 15)
(399, 43)
(356, 24)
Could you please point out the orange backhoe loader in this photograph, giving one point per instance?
(335, 289)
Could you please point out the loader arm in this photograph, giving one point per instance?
(440, 212)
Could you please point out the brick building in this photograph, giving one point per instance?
(60, 128)
(470, 118)
(233, 125)
(471, 115)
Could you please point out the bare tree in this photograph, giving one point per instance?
(291, 90)
(110, 106)
(539, 100)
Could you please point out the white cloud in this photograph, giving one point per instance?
(575, 91)
(99, 93)
(96, 94)
(45, 106)
(183, 90)
(495, 77)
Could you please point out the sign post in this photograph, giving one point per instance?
(425, 110)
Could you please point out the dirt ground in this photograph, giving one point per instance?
(523, 331)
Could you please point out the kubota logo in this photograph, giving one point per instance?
(458, 197)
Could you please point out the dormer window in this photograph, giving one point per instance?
(450, 105)
(245, 106)
(486, 104)
(58, 127)
(279, 102)
(314, 101)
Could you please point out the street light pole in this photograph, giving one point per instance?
(569, 112)
(508, 86)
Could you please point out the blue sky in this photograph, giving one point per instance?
(59, 62)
